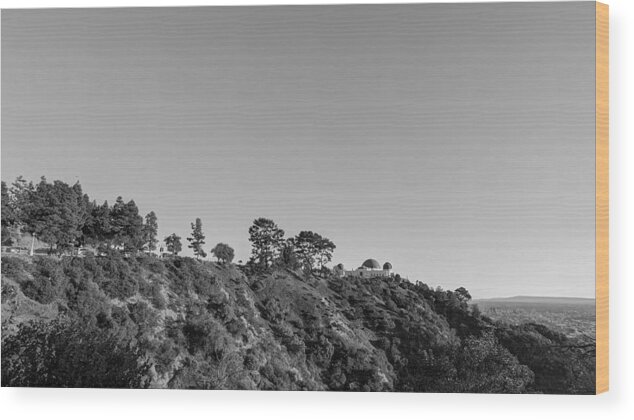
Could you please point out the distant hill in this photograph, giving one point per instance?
(574, 317)
(539, 300)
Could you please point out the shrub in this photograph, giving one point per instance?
(143, 316)
(14, 267)
(41, 290)
(118, 281)
(8, 292)
(67, 354)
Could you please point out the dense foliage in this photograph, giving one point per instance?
(71, 354)
(182, 323)
(65, 218)
(124, 318)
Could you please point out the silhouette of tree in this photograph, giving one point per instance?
(266, 241)
(54, 212)
(313, 250)
(463, 294)
(197, 240)
(223, 252)
(127, 225)
(173, 243)
(150, 230)
(9, 216)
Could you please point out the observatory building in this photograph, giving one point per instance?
(370, 268)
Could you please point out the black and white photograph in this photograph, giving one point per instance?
(361, 198)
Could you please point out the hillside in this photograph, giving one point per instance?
(182, 323)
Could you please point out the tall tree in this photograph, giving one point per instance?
(325, 248)
(288, 255)
(54, 213)
(173, 243)
(83, 205)
(312, 249)
(21, 193)
(150, 230)
(197, 240)
(98, 227)
(9, 217)
(127, 225)
(223, 253)
(266, 241)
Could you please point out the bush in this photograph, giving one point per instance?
(42, 290)
(67, 354)
(14, 266)
(188, 275)
(143, 316)
(151, 290)
(9, 292)
(118, 281)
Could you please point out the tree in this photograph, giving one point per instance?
(288, 256)
(55, 213)
(20, 194)
(313, 250)
(98, 228)
(150, 230)
(197, 240)
(9, 217)
(127, 225)
(462, 294)
(173, 243)
(223, 252)
(266, 241)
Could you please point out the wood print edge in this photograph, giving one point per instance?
(602, 197)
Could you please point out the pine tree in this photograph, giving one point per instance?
(127, 225)
(267, 240)
(313, 249)
(150, 230)
(54, 212)
(197, 240)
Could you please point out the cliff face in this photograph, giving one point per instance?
(181, 323)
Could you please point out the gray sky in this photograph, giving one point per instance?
(455, 141)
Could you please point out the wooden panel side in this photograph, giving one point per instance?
(602, 197)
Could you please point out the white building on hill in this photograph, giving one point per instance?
(370, 268)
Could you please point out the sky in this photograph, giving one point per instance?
(455, 141)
